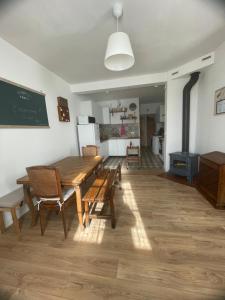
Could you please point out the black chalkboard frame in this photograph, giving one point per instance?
(29, 90)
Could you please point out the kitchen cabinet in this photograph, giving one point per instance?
(104, 148)
(118, 147)
(113, 148)
(106, 115)
(121, 147)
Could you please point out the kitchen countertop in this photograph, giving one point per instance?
(119, 138)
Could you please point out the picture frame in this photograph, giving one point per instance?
(220, 101)
(63, 110)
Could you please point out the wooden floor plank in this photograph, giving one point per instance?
(168, 244)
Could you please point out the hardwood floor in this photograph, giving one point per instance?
(169, 243)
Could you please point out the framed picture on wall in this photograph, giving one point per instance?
(220, 101)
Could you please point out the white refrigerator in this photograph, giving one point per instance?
(88, 134)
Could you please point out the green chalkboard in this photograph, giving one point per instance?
(20, 106)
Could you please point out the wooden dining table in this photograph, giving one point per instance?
(74, 170)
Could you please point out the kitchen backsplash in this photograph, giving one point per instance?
(108, 131)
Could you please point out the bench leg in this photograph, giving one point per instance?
(29, 201)
(2, 225)
(42, 219)
(64, 222)
(119, 171)
(86, 207)
(112, 208)
(119, 176)
(15, 221)
(79, 205)
(127, 164)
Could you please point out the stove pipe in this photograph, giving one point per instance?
(186, 111)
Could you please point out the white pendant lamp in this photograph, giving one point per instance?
(119, 54)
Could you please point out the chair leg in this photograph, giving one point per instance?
(86, 208)
(15, 221)
(42, 217)
(64, 222)
(119, 172)
(112, 208)
(2, 225)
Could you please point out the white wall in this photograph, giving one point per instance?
(210, 127)
(149, 108)
(91, 108)
(115, 118)
(19, 147)
(86, 108)
(173, 122)
(97, 112)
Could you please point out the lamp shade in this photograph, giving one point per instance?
(119, 54)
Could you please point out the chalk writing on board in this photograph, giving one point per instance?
(21, 107)
(23, 95)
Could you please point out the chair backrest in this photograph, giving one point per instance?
(45, 181)
(134, 150)
(90, 150)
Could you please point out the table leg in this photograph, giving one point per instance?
(29, 201)
(2, 225)
(86, 206)
(79, 205)
(15, 221)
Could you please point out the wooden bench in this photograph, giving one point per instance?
(9, 203)
(102, 191)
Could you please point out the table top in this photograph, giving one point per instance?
(73, 169)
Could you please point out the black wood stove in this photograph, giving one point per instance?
(185, 163)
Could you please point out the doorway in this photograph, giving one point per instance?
(147, 129)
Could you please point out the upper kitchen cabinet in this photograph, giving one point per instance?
(106, 115)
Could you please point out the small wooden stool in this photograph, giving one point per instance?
(133, 155)
(9, 203)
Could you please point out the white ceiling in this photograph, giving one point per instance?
(145, 94)
(69, 37)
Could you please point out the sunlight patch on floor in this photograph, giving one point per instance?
(138, 232)
(92, 234)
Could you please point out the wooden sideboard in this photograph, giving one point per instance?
(211, 178)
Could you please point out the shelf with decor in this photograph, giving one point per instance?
(129, 117)
(117, 110)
